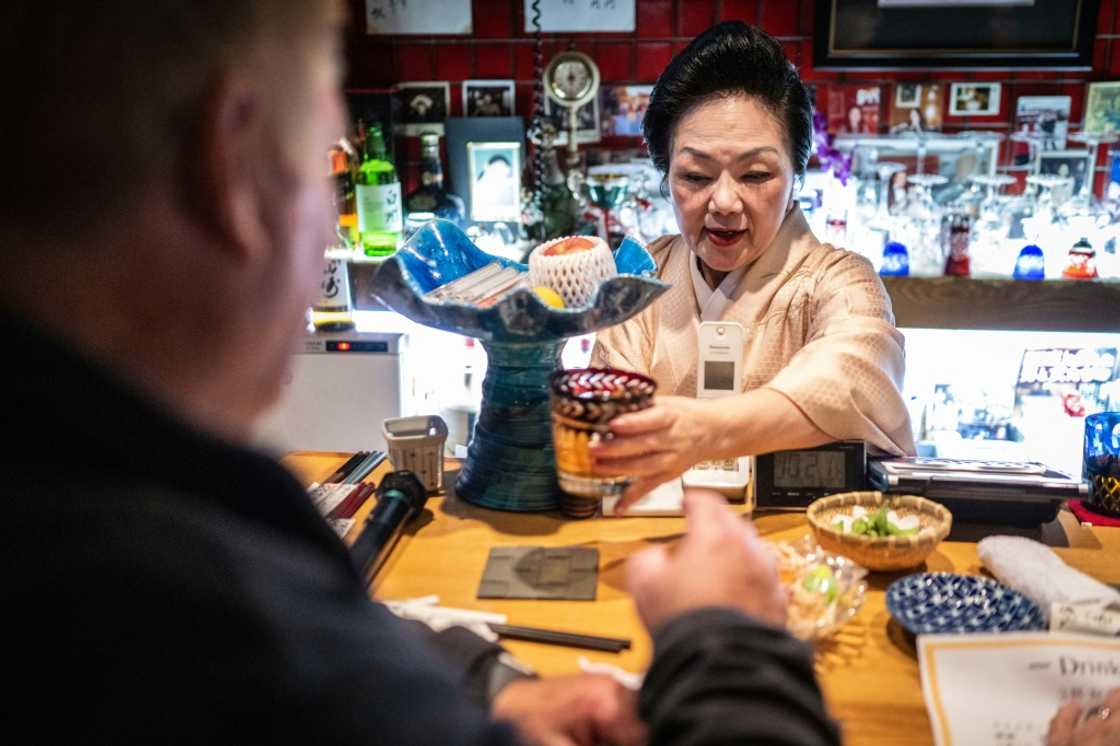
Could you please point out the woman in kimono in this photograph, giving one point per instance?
(729, 125)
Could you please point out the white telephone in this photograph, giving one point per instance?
(718, 373)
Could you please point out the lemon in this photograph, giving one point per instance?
(549, 296)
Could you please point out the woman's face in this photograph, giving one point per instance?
(731, 179)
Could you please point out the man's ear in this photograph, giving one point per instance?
(227, 186)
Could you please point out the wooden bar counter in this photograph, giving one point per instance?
(868, 671)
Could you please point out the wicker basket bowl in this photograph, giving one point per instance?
(886, 552)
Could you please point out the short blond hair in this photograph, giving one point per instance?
(105, 94)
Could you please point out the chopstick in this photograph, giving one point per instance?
(555, 637)
(362, 470)
(341, 472)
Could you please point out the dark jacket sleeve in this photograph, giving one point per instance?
(719, 677)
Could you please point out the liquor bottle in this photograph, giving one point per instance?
(344, 202)
(378, 193)
(957, 263)
(430, 196)
(332, 312)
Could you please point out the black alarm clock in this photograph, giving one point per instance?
(793, 479)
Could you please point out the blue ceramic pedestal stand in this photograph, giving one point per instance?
(510, 463)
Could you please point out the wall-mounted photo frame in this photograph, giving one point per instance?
(1102, 107)
(907, 95)
(974, 99)
(489, 98)
(923, 116)
(1044, 117)
(423, 106)
(960, 34)
(623, 109)
(587, 117)
(495, 169)
(1071, 163)
(461, 132)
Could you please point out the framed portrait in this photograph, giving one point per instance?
(974, 99)
(907, 95)
(587, 117)
(423, 107)
(853, 109)
(925, 116)
(624, 108)
(962, 34)
(1102, 107)
(1044, 117)
(495, 171)
(488, 98)
(1071, 163)
(461, 132)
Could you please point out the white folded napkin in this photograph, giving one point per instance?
(1038, 573)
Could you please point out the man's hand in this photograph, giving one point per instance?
(1097, 726)
(580, 710)
(720, 562)
(655, 444)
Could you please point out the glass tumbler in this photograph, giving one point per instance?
(1102, 461)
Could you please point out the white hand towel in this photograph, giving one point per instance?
(1038, 573)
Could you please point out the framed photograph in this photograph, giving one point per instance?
(907, 95)
(962, 34)
(1072, 163)
(461, 132)
(488, 98)
(1102, 107)
(853, 109)
(974, 99)
(423, 107)
(925, 117)
(624, 107)
(1044, 117)
(495, 169)
(587, 117)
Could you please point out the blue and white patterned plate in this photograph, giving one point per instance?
(931, 603)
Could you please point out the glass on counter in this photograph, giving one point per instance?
(1102, 461)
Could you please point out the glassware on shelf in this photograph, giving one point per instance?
(990, 251)
(920, 227)
(896, 260)
(1031, 264)
(1042, 227)
(1093, 142)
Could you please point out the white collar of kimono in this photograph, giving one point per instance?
(789, 246)
(713, 302)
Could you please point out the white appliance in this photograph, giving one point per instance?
(342, 386)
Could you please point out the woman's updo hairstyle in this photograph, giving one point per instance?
(730, 58)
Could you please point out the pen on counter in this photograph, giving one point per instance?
(362, 470)
(554, 637)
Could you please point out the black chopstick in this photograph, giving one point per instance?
(362, 470)
(341, 472)
(554, 637)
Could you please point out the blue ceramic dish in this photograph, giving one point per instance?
(510, 464)
(933, 603)
(440, 252)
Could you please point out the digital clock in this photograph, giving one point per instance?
(793, 479)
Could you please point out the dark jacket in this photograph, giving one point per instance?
(163, 586)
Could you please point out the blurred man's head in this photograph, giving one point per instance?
(167, 161)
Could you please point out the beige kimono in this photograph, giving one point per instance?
(819, 329)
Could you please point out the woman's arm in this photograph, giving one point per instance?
(664, 441)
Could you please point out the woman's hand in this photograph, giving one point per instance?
(1095, 726)
(657, 444)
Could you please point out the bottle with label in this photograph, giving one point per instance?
(957, 263)
(377, 191)
(344, 203)
(332, 312)
(430, 196)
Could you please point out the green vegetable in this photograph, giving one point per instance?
(821, 580)
(876, 524)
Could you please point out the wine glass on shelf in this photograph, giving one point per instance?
(922, 226)
(1042, 227)
(993, 225)
(1092, 142)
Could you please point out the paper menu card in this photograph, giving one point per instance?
(1004, 688)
